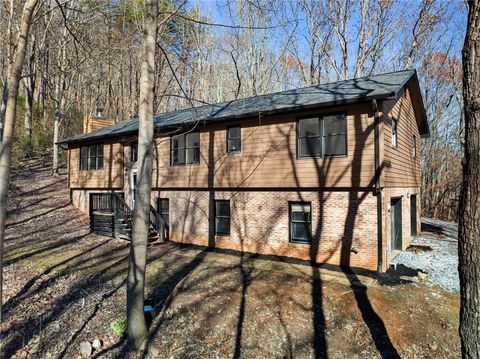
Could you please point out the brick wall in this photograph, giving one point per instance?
(260, 223)
(404, 194)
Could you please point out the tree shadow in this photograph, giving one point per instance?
(373, 321)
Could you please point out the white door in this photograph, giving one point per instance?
(133, 187)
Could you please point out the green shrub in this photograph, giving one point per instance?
(119, 326)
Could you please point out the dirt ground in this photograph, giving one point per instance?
(64, 287)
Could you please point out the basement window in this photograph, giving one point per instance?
(91, 157)
(234, 139)
(222, 217)
(300, 222)
(185, 149)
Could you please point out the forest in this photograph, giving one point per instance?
(82, 55)
(69, 288)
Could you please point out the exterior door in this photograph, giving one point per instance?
(133, 187)
(413, 215)
(396, 223)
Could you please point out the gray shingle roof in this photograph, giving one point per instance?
(340, 92)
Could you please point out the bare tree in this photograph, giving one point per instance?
(29, 85)
(59, 95)
(137, 329)
(469, 226)
(8, 57)
(9, 122)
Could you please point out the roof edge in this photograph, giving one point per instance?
(73, 139)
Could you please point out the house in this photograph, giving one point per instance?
(327, 173)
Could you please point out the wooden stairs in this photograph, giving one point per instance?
(111, 216)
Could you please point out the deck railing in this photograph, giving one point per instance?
(122, 210)
(157, 222)
(101, 202)
(115, 205)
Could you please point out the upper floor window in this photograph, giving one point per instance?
(334, 135)
(322, 136)
(91, 157)
(394, 132)
(185, 148)
(134, 152)
(414, 146)
(234, 139)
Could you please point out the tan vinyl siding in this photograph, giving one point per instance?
(401, 169)
(268, 157)
(111, 176)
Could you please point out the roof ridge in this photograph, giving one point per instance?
(379, 86)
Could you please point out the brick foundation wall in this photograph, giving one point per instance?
(260, 224)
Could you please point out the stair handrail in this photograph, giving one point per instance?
(158, 222)
(123, 208)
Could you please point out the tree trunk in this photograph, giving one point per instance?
(9, 123)
(59, 93)
(29, 83)
(137, 329)
(56, 121)
(469, 224)
(3, 104)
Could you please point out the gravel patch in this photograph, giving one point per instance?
(441, 263)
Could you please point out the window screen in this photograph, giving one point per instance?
(322, 136)
(300, 222)
(394, 132)
(234, 140)
(163, 209)
(134, 152)
(91, 157)
(222, 217)
(309, 138)
(185, 148)
(334, 135)
(193, 147)
(414, 146)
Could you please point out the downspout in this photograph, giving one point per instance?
(378, 190)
